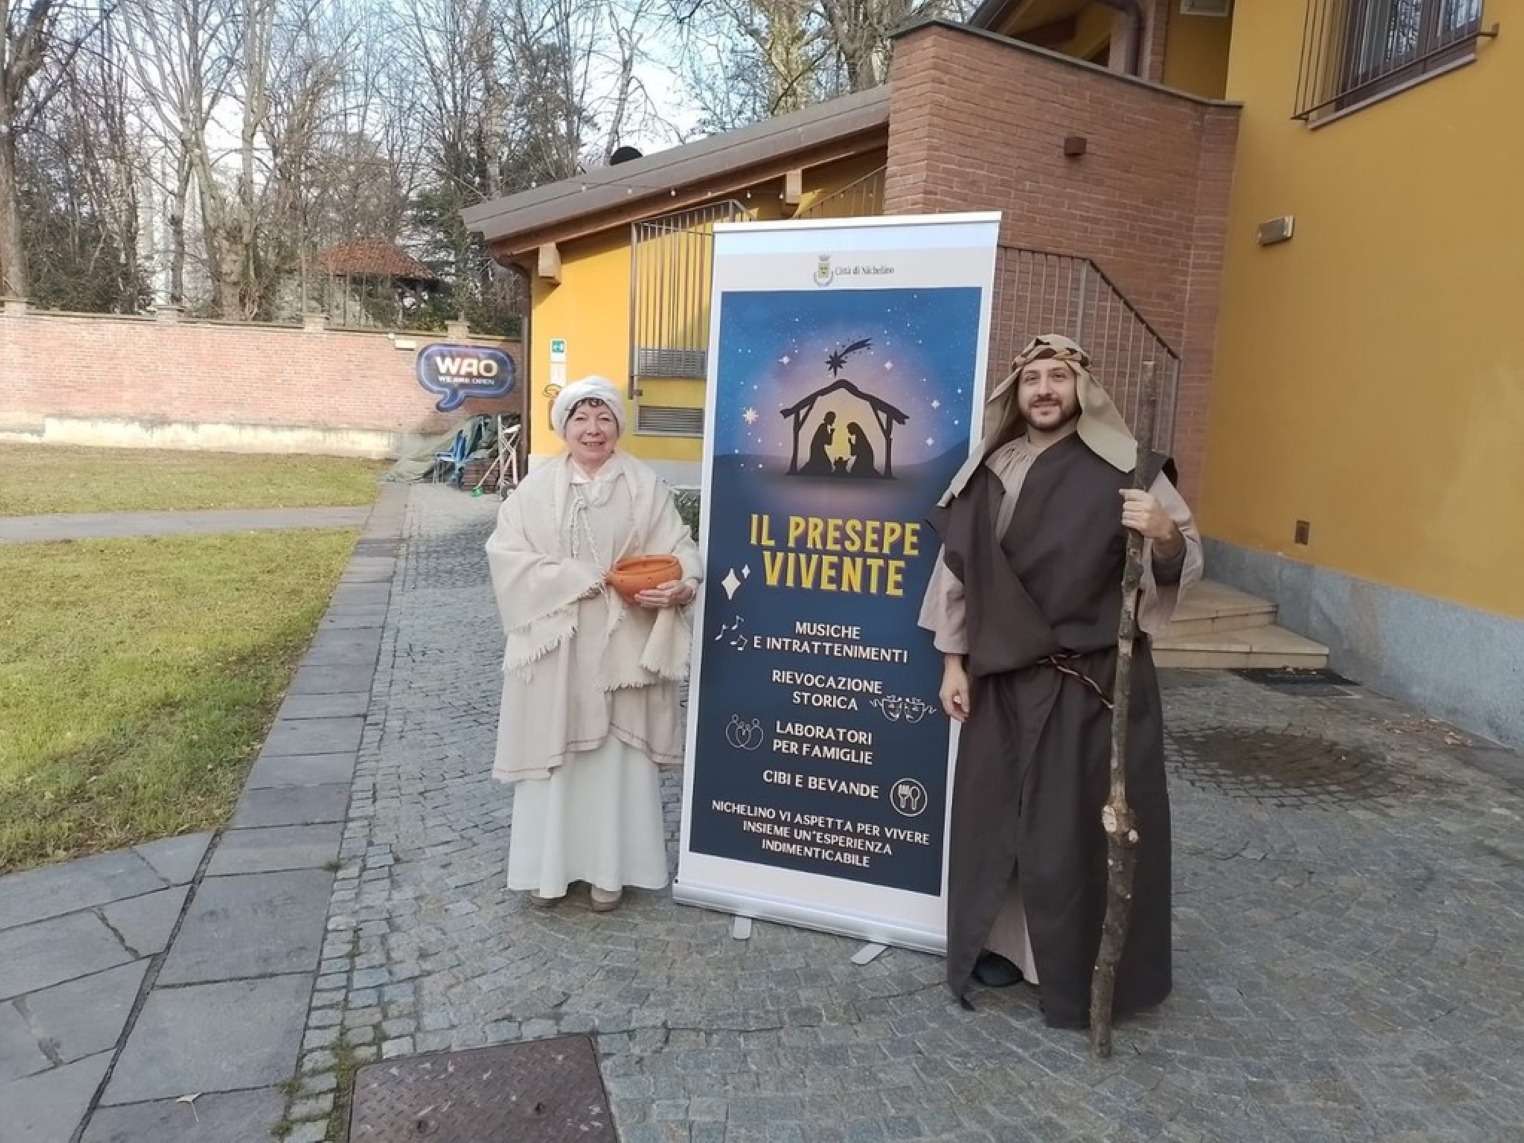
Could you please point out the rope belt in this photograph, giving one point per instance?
(1058, 664)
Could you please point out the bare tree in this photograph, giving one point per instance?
(369, 156)
(505, 102)
(312, 51)
(78, 169)
(551, 49)
(106, 150)
(265, 130)
(627, 108)
(237, 89)
(38, 42)
(781, 55)
(183, 59)
(230, 214)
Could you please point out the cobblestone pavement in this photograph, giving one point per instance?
(1348, 948)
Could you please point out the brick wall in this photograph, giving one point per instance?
(978, 122)
(355, 386)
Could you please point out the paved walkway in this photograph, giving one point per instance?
(185, 967)
(113, 525)
(1348, 935)
(1347, 921)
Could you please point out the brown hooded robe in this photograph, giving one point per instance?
(1033, 758)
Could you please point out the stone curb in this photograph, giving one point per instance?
(314, 1072)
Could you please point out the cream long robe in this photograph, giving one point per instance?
(580, 666)
(943, 613)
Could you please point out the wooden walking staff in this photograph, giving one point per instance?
(1116, 816)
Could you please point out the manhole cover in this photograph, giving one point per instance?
(1280, 768)
(538, 1092)
(1302, 682)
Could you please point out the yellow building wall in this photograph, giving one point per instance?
(1196, 52)
(590, 309)
(1092, 31)
(1370, 372)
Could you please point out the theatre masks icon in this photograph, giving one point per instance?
(897, 708)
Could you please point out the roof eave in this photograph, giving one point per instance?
(990, 13)
(634, 209)
(717, 164)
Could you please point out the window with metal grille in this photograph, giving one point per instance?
(670, 262)
(668, 420)
(1354, 50)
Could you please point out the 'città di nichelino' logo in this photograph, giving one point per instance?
(825, 273)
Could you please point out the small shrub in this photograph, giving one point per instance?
(689, 500)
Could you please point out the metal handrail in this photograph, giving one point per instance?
(862, 197)
(1038, 291)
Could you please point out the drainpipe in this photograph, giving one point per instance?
(1133, 10)
(526, 356)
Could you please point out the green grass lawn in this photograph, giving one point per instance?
(138, 677)
(39, 479)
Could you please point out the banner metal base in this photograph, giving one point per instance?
(871, 930)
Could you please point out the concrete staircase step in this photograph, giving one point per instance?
(1211, 607)
(1262, 646)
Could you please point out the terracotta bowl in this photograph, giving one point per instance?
(641, 573)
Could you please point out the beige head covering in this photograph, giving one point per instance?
(1101, 426)
(591, 387)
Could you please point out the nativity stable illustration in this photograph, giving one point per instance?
(864, 444)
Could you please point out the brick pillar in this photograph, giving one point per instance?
(1214, 184)
(978, 123)
(916, 111)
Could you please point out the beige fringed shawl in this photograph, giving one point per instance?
(580, 664)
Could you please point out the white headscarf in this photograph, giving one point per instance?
(1101, 426)
(594, 387)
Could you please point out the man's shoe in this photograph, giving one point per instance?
(995, 971)
(542, 902)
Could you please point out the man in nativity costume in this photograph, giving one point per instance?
(1024, 604)
(590, 683)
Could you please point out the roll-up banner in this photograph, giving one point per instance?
(846, 365)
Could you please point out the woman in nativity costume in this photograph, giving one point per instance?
(590, 682)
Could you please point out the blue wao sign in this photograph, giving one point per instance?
(456, 372)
